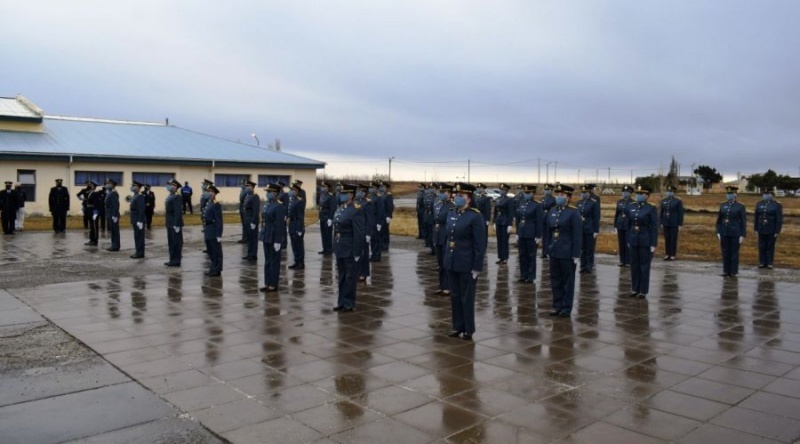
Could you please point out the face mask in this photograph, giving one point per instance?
(170, 188)
(640, 198)
(730, 196)
(561, 201)
(670, 194)
(133, 189)
(442, 196)
(548, 192)
(206, 195)
(359, 194)
(584, 195)
(344, 197)
(626, 194)
(382, 189)
(767, 197)
(248, 191)
(528, 196)
(270, 195)
(371, 190)
(460, 201)
(338, 188)
(108, 187)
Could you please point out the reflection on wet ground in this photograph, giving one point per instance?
(703, 359)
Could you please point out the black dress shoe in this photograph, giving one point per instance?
(641, 296)
(633, 294)
(300, 266)
(467, 337)
(112, 249)
(522, 280)
(564, 314)
(211, 274)
(337, 308)
(724, 275)
(137, 256)
(439, 291)
(554, 313)
(240, 241)
(292, 267)
(528, 281)
(270, 289)
(454, 334)
(167, 264)
(348, 309)
(91, 243)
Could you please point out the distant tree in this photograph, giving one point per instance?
(787, 183)
(763, 181)
(653, 182)
(709, 175)
(672, 177)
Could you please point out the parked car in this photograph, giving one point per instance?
(494, 193)
(780, 193)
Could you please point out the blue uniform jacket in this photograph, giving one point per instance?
(378, 211)
(273, 216)
(388, 202)
(530, 217)
(621, 214)
(297, 215)
(466, 240)
(327, 207)
(732, 219)
(440, 227)
(566, 233)
(484, 205)
(173, 207)
(504, 211)
(642, 225)
(420, 207)
(252, 209)
(112, 204)
(212, 220)
(769, 217)
(137, 209)
(672, 212)
(368, 208)
(429, 200)
(590, 215)
(349, 235)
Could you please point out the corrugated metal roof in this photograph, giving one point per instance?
(13, 108)
(138, 140)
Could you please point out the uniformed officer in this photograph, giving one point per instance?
(441, 214)
(327, 208)
(272, 233)
(252, 212)
(671, 222)
(173, 211)
(430, 201)
(101, 208)
(530, 222)
(768, 222)
(463, 259)
(368, 208)
(519, 198)
(149, 205)
(589, 210)
(419, 209)
(137, 219)
(548, 202)
(297, 224)
(283, 198)
(379, 217)
(621, 225)
(58, 201)
(112, 213)
(242, 197)
(484, 204)
(92, 201)
(212, 231)
(9, 204)
(566, 235)
(642, 241)
(348, 245)
(204, 196)
(503, 219)
(186, 196)
(593, 193)
(388, 205)
(87, 216)
(731, 231)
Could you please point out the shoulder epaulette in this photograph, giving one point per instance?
(357, 205)
(475, 210)
(388, 193)
(573, 207)
(651, 204)
(777, 202)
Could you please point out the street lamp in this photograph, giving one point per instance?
(390, 168)
(258, 142)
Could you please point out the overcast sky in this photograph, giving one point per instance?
(591, 85)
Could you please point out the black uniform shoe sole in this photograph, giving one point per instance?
(466, 337)
(454, 334)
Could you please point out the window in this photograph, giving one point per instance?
(153, 179)
(27, 181)
(98, 177)
(230, 180)
(264, 179)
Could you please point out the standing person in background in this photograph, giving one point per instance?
(58, 201)
(442, 212)
(566, 234)
(297, 224)
(484, 204)
(283, 198)
(327, 208)
(388, 202)
(101, 208)
(93, 201)
(671, 222)
(272, 232)
(87, 216)
(368, 208)
(138, 219)
(252, 212)
(430, 202)
(242, 197)
(589, 210)
(419, 210)
(642, 241)
(592, 189)
(212, 232)
(186, 196)
(503, 218)
(111, 205)
(348, 244)
(9, 203)
(173, 208)
(768, 222)
(731, 231)
(379, 218)
(149, 206)
(204, 197)
(530, 219)
(621, 226)
(19, 223)
(548, 202)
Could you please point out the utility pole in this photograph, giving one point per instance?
(555, 172)
(579, 175)
(390, 168)
(539, 165)
(631, 176)
(609, 174)
(469, 168)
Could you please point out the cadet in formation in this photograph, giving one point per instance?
(441, 215)
(731, 231)
(212, 231)
(297, 224)
(503, 219)
(548, 202)
(92, 201)
(378, 208)
(530, 220)
(768, 222)
(419, 209)
(137, 219)
(671, 222)
(271, 236)
(242, 197)
(430, 201)
(621, 225)
(348, 245)
(642, 241)
(484, 204)
(283, 198)
(367, 207)
(173, 209)
(565, 230)
(327, 208)
(589, 209)
(112, 213)
(463, 259)
(149, 206)
(388, 210)
(251, 212)
(204, 196)
(58, 201)
(22, 197)
(87, 216)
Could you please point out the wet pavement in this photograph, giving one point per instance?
(703, 359)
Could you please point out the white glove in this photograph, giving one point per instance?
(776, 235)
(741, 239)
(575, 260)
(115, 219)
(177, 229)
(652, 249)
(219, 239)
(140, 225)
(277, 246)
(680, 227)
(508, 230)
(94, 217)
(369, 238)
(330, 222)
(615, 231)
(475, 274)
(487, 223)
(356, 258)
(299, 233)
(252, 226)
(388, 220)
(379, 227)
(594, 236)
(538, 240)
(719, 237)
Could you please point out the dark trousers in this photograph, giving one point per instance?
(272, 265)
(327, 236)
(346, 272)
(8, 221)
(363, 267)
(421, 233)
(148, 215)
(385, 236)
(486, 230)
(214, 249)
(429, 236)
(641, 257)
(766, 249)
(670, 241)
(138, 240)
(502, 241)
(545, 240)
(175, 244)
(93, 227)
(587, 252)
(298, 247)
(245, 231)
(87, 216)
(442, 272)
(114, 229)
(462, 301)
(375, 245)
(730, 254)
(187, 203)
(562, 284)
(622, 245)
(252, 241)
(59, 221)
(527, 258)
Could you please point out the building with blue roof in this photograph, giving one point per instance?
(36, 149)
